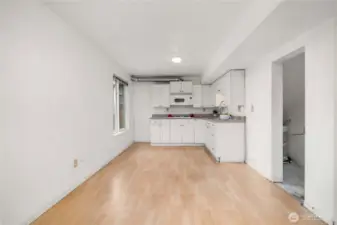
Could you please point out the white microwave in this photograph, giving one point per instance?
(181, 100)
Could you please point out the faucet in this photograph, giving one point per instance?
(221, 107)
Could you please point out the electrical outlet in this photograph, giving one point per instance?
(75, 163)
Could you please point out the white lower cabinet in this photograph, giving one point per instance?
(165, 131)
(226, 141)
(160, 131)
(188, 131)
(182, 131)
(155, 130)
(199, 131)
(176, 131)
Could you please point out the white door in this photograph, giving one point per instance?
(197, 96)
(175, 131)
(165, 131)
(187, 87)
(175, 87)
(199, 131)
(188, 131)
(155, 131)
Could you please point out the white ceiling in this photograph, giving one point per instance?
(143, 35)
(289, 20)
(211, 36)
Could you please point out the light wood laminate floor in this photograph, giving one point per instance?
(174, 186)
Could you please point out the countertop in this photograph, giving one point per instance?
(212, 119)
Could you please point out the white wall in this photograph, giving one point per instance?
(319, 46)
(142, 103)
(294, 105)
(57, 106)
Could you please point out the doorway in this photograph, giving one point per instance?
(288, 123)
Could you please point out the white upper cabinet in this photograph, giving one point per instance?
(237, 92)
(187, 87)
(181, 87)
(197, 96)
(208, 96)
(231, 90)
(160, 95)
(175, 87)
(203, 96)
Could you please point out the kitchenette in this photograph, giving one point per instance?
(219, 124)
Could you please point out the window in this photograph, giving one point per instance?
(119, 105)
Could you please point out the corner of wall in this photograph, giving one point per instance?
(335, 184)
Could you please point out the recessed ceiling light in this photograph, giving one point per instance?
(176, 60)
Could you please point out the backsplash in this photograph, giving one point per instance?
(181, 110)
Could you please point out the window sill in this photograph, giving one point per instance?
(119, 133)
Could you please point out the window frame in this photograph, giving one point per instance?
(116, 130)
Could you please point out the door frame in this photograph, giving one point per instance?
(277, 115)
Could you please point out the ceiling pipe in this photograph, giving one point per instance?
(155, 78)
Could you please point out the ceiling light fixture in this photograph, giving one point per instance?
(176, 60)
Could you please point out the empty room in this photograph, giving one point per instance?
(168, 112)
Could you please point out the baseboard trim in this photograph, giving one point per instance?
(210, 154)
(85, 180)
(176, 145)
(312, 210)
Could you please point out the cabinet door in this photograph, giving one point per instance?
(219, 86)
(188, 131)
(155, 95)
(207, 135)
(155, 131)
(237, 92)
(175, 87)
(165, 131)
(165, 95)
(205, 95)
(230, 138)
(175, 131)
(208, 96)
(226, 86)
(187, 87)
(199, 131)
(197, 96)
(212, 138)
(160, 95)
